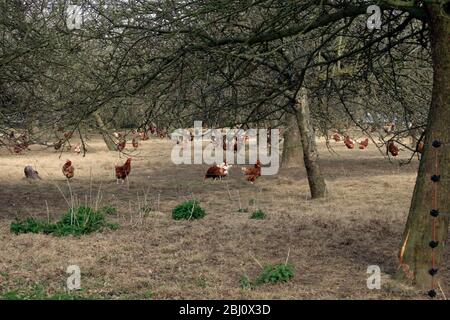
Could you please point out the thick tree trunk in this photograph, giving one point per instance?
(106, 137)
(310, 155)
(415, 253)
(292, 152)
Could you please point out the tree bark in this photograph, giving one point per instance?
(106, 137)
(316, 181)
(292, 153)
(415, 254)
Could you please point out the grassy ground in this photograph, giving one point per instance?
(330, 242)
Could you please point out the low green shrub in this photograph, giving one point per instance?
(275, 273)
(32, 225)
(258, 215)
(188, 210)
(270, 274)
(80, 221)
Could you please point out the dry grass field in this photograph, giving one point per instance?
(330, 242)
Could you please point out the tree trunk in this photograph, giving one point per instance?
(310, 156)
(292, 153)
(106, 137)
(415, 253)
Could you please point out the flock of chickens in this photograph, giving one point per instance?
(221, 171)
(215, 172)
(19, 142)
(122, 172)
(138, 135)
(350, 143)
(218, 171)
(391, 147)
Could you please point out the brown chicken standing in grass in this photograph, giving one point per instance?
(336, 137)
(253, 173)
(20, 147)
(349, 143)
(364, 143)
(217, 171)
(122, 172)
(68, 169)
(392, 148)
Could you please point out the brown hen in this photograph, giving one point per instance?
(68, 169)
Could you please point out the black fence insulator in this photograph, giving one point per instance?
(433, 271)
(434, 244)
(435, 178)
(434, 213)
(436, 144)
(432, 293)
